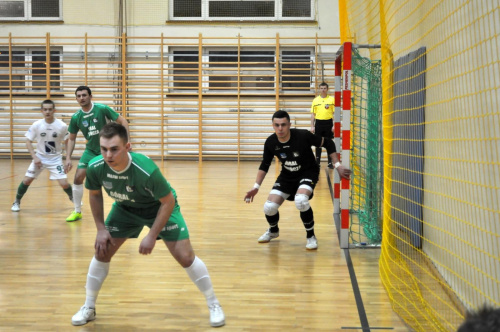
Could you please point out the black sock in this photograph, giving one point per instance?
(273, 222)
(308, 221)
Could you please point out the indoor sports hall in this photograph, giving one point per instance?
(410, 243)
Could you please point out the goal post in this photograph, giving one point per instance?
(357, 136)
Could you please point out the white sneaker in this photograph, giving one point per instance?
(16, 207)
(312, 243)
(217, 317)
(83, 316)
(268, 236)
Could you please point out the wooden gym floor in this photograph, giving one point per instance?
(279, 286)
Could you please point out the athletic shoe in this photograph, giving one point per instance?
(312, 243)
(74, 216)
(217, 317)
(16, 207)
(268, 236)
(83, 316)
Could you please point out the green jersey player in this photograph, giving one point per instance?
(89, 120)
(143, 197)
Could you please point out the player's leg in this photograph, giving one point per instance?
(97, 273)
(120, 231)
(302, 196)
(56, 170)
(274, 200)
(176, 238)
(317, 131)
(31, 174)
(80, 174)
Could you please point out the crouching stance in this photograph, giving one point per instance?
(143, 197)
(298, 177)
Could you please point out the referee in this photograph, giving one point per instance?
(321, 118)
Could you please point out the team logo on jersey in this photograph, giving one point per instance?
(327, 106)
(54, 134)
(130, 188)
(43, 134)
(295, 154)
(283, 155)
(95, 120)
(85, 123)
(107, 185)
(276, 147)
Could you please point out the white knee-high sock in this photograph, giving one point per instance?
(77, 197)
(95, 278)
(199, 275)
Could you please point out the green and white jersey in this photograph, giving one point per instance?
(140, 185)
(49, 138)
(90, 123)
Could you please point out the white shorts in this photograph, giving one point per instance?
(55, 167)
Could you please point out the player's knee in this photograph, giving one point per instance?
(302, 202)
(271, 208)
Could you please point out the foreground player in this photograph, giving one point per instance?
(298, 177)
(49, 133)
(143, 197)
(89, 120)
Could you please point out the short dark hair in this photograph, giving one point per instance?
(324, 84)
(83, 87)
(112, 129)
(48, 101)
(485, 319)
(280, 115)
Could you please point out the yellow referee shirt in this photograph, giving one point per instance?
(323, 107)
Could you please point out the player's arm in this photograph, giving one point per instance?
(162, 217)
(121, 120)
(29, 146)
(343, 171)
(70, 146)
(103, 238)
(261, 175)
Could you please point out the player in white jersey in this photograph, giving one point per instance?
(49, 133)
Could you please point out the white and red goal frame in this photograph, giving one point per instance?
(342, 135)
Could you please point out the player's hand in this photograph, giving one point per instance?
(102, 240)
(147, 245)
(68, 165)
(344, 172)
(312, 129)
(38, 162)
(250, 194)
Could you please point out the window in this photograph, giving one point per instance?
(30, 10)
(242, 10)
(29, 69)
(185, 73)
(296, 68)
(256, 72)
(256, 69)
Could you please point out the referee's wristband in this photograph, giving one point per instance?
(337, 164)
(256, 185)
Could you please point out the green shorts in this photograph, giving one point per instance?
(87, 156)
(127, 222)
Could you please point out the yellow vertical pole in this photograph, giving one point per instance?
(277, 73)
(239, 95)
(200, 99)
(316, 51)
(162, 93)
(11, 105)
(124, 75)
(85, 60)
(47, 64)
